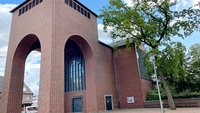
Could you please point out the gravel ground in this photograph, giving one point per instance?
(156, 110)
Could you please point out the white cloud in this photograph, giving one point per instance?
(32, 69)
(103, 36)
(5, 21)
(180, 3)
(196, 3)
(187, 3)
(129, 2)
(3, 53)
(34, 86)
(4, 8)
(2, 66)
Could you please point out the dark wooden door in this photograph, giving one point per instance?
(108, 103)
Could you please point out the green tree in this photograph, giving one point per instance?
(152, 22)
(189, 78)
(194, 52)
(193, 67)
(171, 61)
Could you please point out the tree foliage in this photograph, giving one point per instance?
(181, 69)
(194, 52)
(152, 22)
(192, 80)
(171, 61)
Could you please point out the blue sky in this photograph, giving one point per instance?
(32, 69)
(96, 5)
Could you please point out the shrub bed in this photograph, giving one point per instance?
(153, 95)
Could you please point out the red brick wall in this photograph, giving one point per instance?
(105, 77)
(128, 80)
(146, 86)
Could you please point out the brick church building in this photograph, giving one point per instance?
(78, 73)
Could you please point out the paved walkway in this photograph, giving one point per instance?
(156, 110)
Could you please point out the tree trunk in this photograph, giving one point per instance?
(168, 91)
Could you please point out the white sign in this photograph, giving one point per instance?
(130, 100)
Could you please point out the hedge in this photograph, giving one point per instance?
(153, 95)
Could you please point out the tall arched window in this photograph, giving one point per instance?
(74, 68)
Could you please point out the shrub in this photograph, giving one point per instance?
(153, 95)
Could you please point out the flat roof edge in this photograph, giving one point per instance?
(20, 5)
(104, 44)
(23, 3)
(86, 8)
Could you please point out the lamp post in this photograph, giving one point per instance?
(157, 84)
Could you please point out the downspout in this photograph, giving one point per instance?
(116, 80)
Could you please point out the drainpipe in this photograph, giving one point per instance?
(116, 80)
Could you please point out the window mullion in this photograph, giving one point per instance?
(75, 72)
(65, 82)
(78, 55)
(71, 74)
(68, 73)
(82, 75)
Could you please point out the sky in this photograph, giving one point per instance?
(32, 68)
